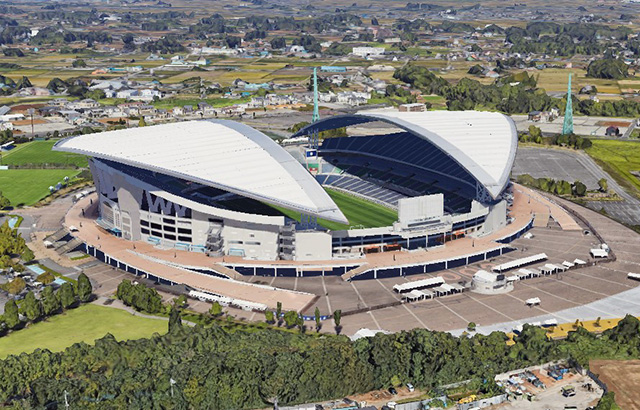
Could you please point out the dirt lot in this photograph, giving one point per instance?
(621, 377)
(552, 398)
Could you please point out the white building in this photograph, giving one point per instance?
(368, 51)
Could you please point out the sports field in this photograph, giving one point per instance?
(28, 186)
(618, 158)
(359, 212)
(84, 324)
(39, 152)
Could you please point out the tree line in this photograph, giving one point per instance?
(218, 369)
(514, 94)
(50, 303)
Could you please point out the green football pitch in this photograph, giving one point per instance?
(39, 152)
(28, 186)
(83, 324)
(359, 212)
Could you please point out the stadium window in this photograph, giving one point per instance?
(253, 243)
(184, 238)
(169, 221)
(169, 228)
(184, 230)
(156, 233)
(236, 242)
(144, 223)
(156, 226)
(144, 231)
(170, 237)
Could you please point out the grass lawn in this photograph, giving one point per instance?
(357, 211)
(618, 158)
(28, 186)
(39, 152)
(84, 324)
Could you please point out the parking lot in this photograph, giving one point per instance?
(558, 293)
(569, 165)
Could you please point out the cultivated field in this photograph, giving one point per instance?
(39, 152)
(84, 324)
(618, 158)
(28, 186)
(623, 378)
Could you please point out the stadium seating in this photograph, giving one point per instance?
(362, 188)
(403, 163)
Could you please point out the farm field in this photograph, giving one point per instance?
(622, 377)
(39, 152)
(28, 186)
(83, 324)
(618, 158)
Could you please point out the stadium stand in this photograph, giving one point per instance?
(403, 163)
(363, 188)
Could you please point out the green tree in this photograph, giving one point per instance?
(216, 309)
(535, 133)
(269, 317)
(175, 322)
(337, 317)
(79, 63)
(579, 189)
(180, 301)
(278, 42)
(471, 327)
(50, 302)
(84, 288)
(607, 402)
(316, 314)
(67, 295)
(142, 122)
(603, 185)
(11, 315)
(16, 286)
(279, 312)
(32, 307)
(291, 318)
(27, 255)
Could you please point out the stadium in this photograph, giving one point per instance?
(398, 182)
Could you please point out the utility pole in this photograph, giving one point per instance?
(31, 110)
(66, 401)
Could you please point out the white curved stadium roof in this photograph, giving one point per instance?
(219, 153)
(484, 143)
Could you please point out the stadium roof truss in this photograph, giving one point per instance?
(219, 153)
(483, 143)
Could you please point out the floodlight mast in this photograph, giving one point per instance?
(567, 126)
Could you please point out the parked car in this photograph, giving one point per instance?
(393, 390)
(410, 387)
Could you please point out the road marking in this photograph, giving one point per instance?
(324, 286)
(451, 310)
(358, 293)
(414, 315)
(374, 320)
(487, 306)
